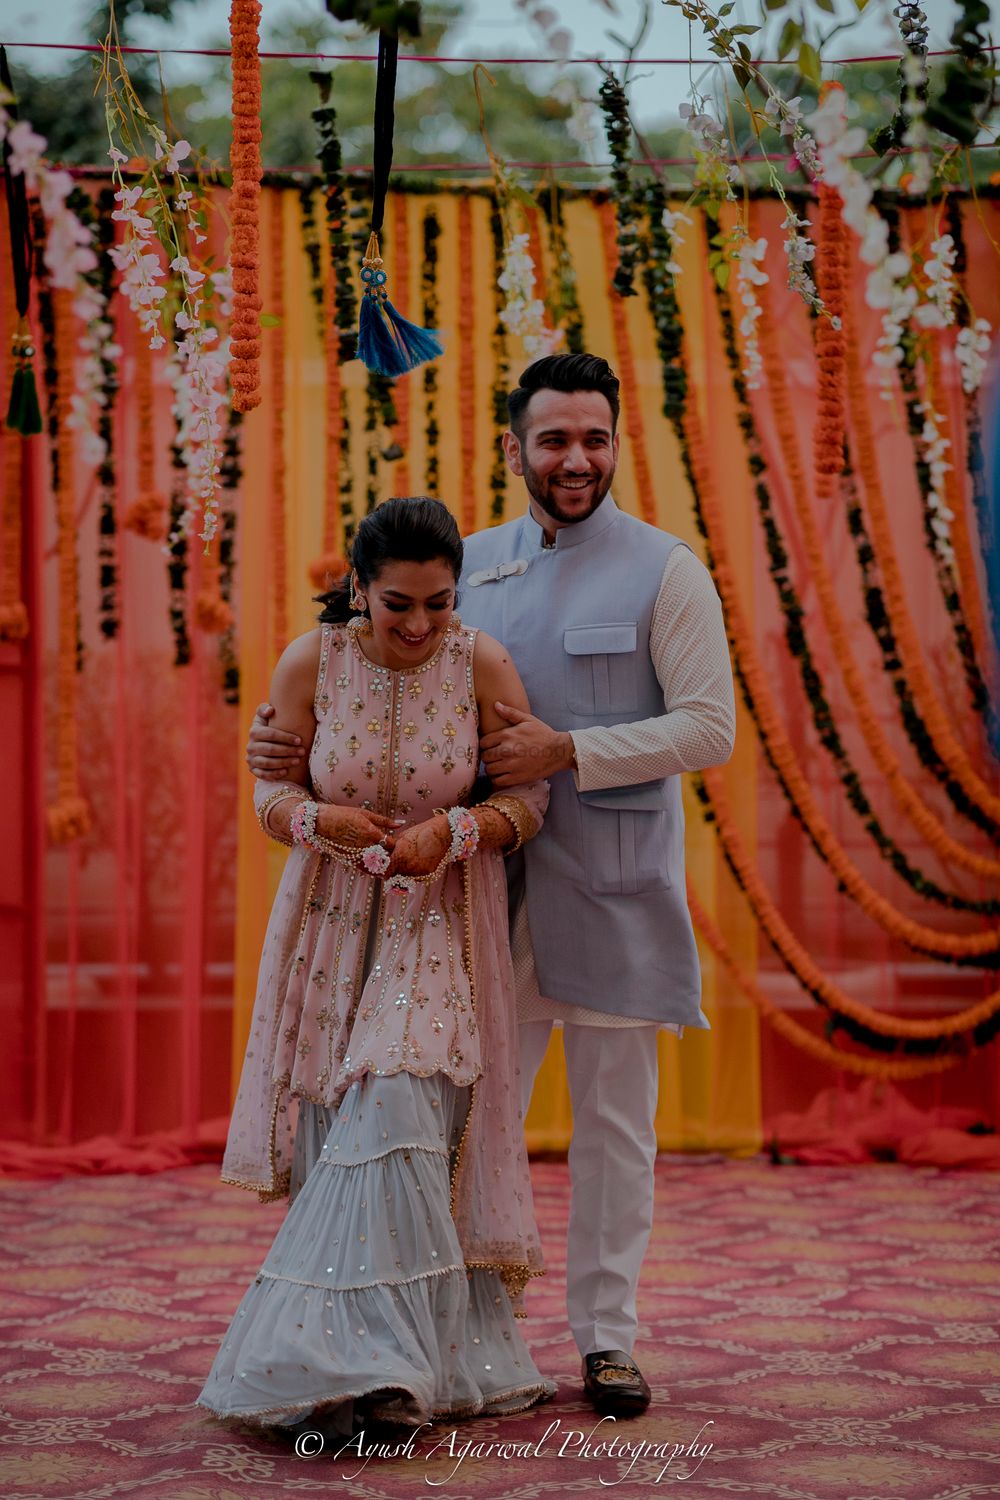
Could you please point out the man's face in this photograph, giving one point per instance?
(566, 454)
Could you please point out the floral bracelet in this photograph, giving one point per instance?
(303, 823)
(464, 834)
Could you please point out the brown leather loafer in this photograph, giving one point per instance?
(614, 1383)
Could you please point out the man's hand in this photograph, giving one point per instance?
(528, 751)
(421, 848)
(271, 753)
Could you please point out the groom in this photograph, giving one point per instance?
(616, 630)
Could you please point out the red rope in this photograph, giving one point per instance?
(97, 170)
(656, 62)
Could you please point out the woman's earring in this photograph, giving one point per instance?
(355, 601)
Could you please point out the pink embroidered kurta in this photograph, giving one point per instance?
(399, 743)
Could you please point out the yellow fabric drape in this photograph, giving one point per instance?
(712, 1099)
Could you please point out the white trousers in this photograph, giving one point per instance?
(612, 1077)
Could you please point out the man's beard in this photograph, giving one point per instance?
(535, 486)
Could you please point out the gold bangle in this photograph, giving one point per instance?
(518, 816)
(268, 803)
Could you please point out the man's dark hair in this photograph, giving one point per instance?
(563, 372)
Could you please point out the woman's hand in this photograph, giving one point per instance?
(421, 848)
(355, 827)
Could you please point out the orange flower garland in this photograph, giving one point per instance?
(625, 364)
(840, 639)
(330, 564)
(279, 559)
(211, 612)
(797, 1034)
(831, 416)
(798, 960)
(401, 296)
(466, 365)
(955, 496)
(13, 611)
(68, 817)
(146, 516)
(244, 21)
(779, 747)
(938, 721)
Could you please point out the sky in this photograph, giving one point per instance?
(489, 28)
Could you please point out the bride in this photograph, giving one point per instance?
(379, 1088)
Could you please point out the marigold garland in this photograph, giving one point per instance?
(877, 616)
(401, 297)
(68, 817)
(937, 720)
(568, 314)
(797, 959)
(107, 473)
(916, 417)
(501, 367)
(969, 596)
(13, 611)
(279, 556)
(931, 829)
(797, 1034)
(177, 555)
(429, 308)
(625, 364)
(466, 366)
(618, 131)
(146, 516)
(831, 414)
(337, 441)
(229, 480)
(314, 254)
(951, 946)
(211, 613)
(532, 223)
(244, 374)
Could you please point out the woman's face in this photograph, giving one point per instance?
(411, 605)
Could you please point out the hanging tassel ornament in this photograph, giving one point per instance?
(23, 412)
(388, 344)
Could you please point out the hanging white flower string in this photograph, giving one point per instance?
(889, 287)
(750, 274)
(939, 309)
(971, 349)
(524, 313)
(69, 253)
(935, 446)
(671, 218)
(714, 172)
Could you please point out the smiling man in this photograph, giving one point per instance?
(616, 630)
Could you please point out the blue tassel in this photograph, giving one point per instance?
(388, 343)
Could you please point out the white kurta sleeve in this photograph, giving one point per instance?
(690, 655)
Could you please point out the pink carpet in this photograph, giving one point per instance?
(821, 1333)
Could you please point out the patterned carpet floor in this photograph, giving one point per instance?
(810, 1333)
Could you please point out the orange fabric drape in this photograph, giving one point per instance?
(153, 922)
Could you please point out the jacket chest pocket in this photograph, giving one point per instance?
(601, 669)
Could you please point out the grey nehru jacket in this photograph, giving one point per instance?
(604, 881)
